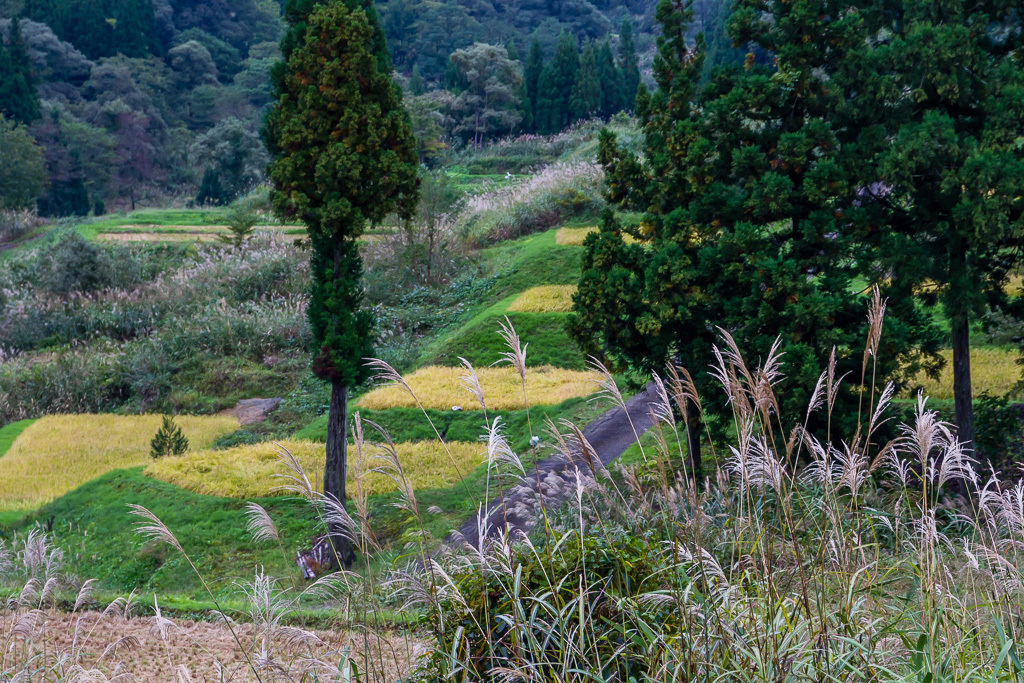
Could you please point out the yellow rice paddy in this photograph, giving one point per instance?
(59, 453)
(544, 299)
(575, 236)
(992, 370)
(251, 471)
(440, 387)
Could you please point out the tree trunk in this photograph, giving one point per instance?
(962, 399)
(335, 468)
(693, 442)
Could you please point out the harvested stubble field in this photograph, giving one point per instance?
(441, 388)
(254, 471)
(59, 453)
(544, 299)
(161, 650)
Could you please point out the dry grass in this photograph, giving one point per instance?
(992, 370)
(441, 388)
(59, 453)
(249, 471)
(197, 646)
(544, 299)
(574, 237)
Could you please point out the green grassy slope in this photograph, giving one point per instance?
(10, 432)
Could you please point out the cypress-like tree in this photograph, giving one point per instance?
(556, 85)
(18, 98)
(610, 78)
(941, 167)
(344, 157)
(630, 63)
(743, 186)
(586, 94)
(531, 81)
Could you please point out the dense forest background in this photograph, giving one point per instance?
(109, 103)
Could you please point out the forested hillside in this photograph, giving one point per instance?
(124, 102)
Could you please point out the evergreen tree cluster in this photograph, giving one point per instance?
(578, 83)
(18, 98)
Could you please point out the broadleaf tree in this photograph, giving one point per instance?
(344, 157)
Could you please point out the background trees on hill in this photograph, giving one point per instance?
(22, 171)
(489, 104)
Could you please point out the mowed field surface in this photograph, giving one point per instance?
(256, 471)
(158, 651)
(58, 453)
(994, 371)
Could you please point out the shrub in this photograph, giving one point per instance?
(74, 264)
(169, 440)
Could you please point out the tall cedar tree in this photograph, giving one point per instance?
(557, 81)
(630, 63)
(18, 98)
(610, 77)
(937, 95)
(344, 157)
(586, 94)
(531, 80)
(743, 230)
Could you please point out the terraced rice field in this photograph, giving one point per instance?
(442, 388)
(59, 453)
(544, 299)
(255, 471)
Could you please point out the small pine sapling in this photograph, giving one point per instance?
(169, 440)
(241, 224)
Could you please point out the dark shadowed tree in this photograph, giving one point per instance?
(344, 157)
(135, 152)
(629, 63)
(586, 93)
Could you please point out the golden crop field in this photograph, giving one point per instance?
(574, 237)
(992, 370)
(441, 388)
(249, 471)
(59, 453)
(544, 299)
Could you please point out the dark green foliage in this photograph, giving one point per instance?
(999, 432)
(554, 90)
(610, 78)
(210, 191)
(101, 28)
(337, 190)
(630, 63)
(741, 231)
(18, 98)
(168, 440)
(586, 93)
(22, 170)
(532, 71)
(720, 48)
(74, 264)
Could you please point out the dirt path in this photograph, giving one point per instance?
(610, 435)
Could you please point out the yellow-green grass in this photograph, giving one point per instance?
(575, 236)
(544, 299)
(992, 370)
(252, 471)
(441, 388)
(59, 453)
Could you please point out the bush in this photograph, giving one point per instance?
(16, 224)
(169, 440)
(74, 264)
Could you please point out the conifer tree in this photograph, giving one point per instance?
(531, 80)
(344, 157)
(586, 94)
(18, 98)
(610, 78)
(630, 63)
(941, 169)
(555, 88)
(742, 187)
